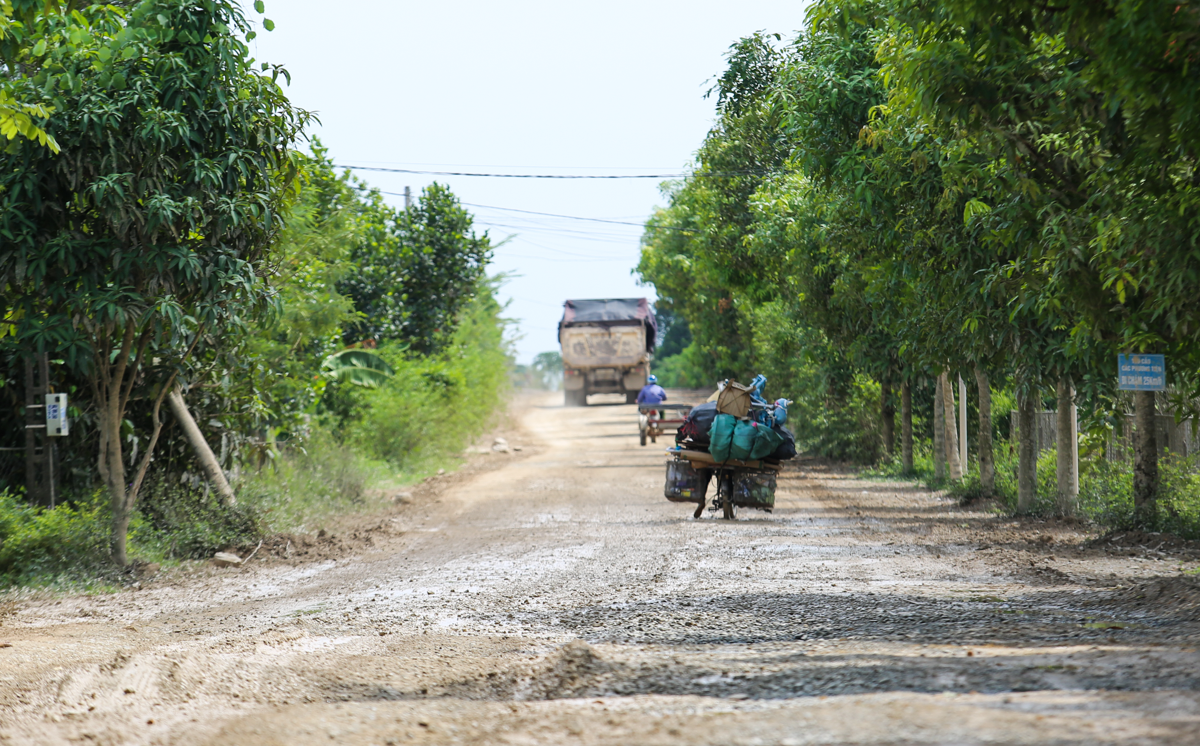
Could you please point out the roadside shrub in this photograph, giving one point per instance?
(1106, 494)
(685, 370)
(435, 405)
(305, 484)
(190, 522)
(892, 467)
(39, 546)
(849, 430)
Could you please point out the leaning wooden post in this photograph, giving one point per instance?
(204, 454)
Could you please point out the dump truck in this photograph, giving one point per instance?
(607, 345)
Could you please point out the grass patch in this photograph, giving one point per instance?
(1109, 625)
(47, 547)
(305, 485)
(1105, 487)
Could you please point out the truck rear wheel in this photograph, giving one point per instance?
(575, 398)
(631, 397)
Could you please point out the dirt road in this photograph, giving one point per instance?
(560, 599)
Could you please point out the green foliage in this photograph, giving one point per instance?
(417, 269)
(46, 546)
(147, 235)
(357, 367)
(1106, 495)
(673, 332)
(687, 369)
(306, 484)
(188, 521)
(849, 432)
(177, 238)
(434, 405)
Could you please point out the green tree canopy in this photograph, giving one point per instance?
(148, 234)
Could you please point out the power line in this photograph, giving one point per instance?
(515, 165)
(585, 235)
(551, 214)
(555, 176)
(509, 176)
(544, 214)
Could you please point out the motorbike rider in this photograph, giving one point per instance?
(651, 393)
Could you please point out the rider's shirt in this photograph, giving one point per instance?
(651, 393)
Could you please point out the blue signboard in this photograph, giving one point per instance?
(1142, 373)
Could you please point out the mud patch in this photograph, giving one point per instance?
(574, 670)
(1178, 596)
(1143, 543)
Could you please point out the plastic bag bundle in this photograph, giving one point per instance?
(766, 442)
(744, 434)
(694, 431)
(720, 436)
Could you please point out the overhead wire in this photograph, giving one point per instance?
(598, 237)
(706, 175)
(515, 165)
(551, 214)
(544, 214)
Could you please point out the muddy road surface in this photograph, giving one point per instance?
(552, 596)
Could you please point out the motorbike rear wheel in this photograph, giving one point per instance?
(728, 509)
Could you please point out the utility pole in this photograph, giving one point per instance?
(407, 197)
(962, 424)
(39, 449)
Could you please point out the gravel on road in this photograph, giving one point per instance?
(552, 595)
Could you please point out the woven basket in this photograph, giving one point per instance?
(734, 399)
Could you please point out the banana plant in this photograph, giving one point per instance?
(356, 366)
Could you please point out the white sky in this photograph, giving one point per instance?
(521, 87)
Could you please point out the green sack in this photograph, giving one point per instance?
(720, 436)
(743, 440)
(766, 440)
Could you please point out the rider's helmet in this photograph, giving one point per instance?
(652, 379)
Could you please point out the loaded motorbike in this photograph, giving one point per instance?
(733, 447)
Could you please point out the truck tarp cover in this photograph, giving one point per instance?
(603, 311)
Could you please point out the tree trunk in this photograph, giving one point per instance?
(888, 413)
(987, 459)
(1027, 453)
(204, 454)
(939, 432)
(109, 384)
(1066, 492)
(952, 461)
(114, 478)
(906, 435)
(112, 381)
(1145, 460)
